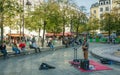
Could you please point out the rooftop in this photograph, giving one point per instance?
(95, 5)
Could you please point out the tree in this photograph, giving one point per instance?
(116, 16)
(1, 19)
(93, 25)
(7, 10)
(107, 23)
(54, 18)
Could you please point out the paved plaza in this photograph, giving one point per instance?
(29, 64)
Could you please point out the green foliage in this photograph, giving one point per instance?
(93, 24)
(57, 14)
(107, 22)
(1, 6)
(8, 8)
(7, 14)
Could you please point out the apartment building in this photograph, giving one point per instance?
(104, 6)
(101, 7)
(94, 10)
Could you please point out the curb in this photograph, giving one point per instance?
(99, 53)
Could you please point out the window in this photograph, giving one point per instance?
(94, 11)
(107, 2)
(101, 9)
(101, 3)
(107, 9)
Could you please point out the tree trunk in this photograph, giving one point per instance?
(2, 28)
(39, 36)
(43, 34)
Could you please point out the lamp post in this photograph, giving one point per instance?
(23, 21)
(27, 3)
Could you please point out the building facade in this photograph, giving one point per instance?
(104, 6)
(94, 10)
(101, 7)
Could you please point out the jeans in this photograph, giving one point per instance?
(17, 51)
(4, 53)
(51, 46)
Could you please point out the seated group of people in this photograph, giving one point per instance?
(22, 46)
(17, 49)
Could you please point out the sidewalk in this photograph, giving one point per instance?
(107, 53)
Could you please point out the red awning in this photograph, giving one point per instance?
(16, 35)
(59, 34)
(49, 34)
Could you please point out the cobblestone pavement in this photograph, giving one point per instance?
(29, 64)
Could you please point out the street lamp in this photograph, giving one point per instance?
(27, 3)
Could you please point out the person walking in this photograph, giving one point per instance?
(85, 47)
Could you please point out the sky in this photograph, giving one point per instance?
(86, 3)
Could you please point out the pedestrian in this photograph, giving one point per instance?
(3, 50)
(34, 46)
(85, 47)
